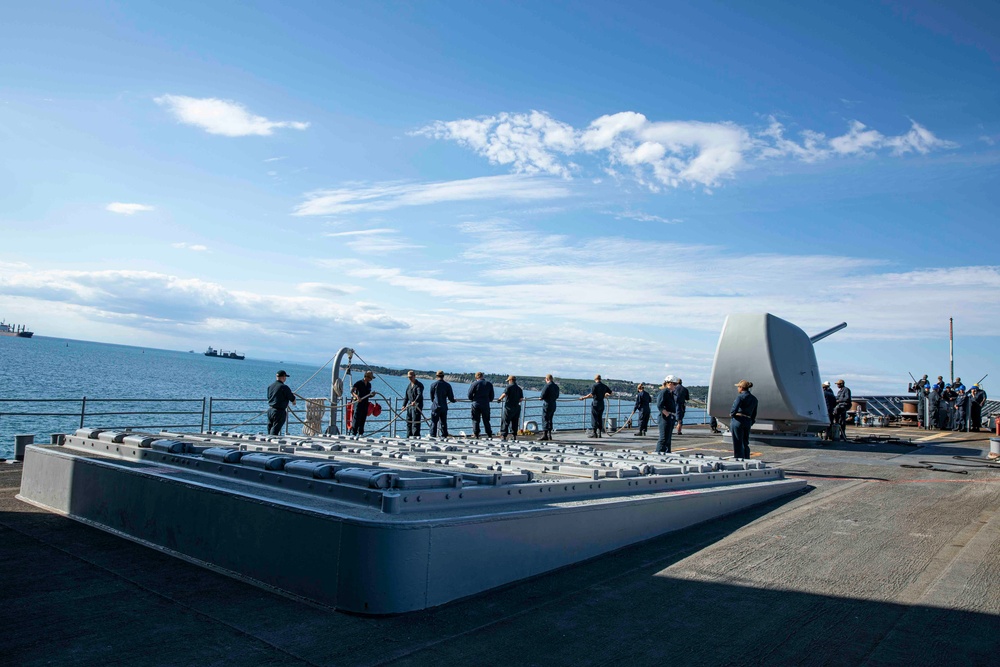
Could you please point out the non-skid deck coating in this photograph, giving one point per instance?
(874, 564)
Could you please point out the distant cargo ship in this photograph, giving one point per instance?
(18, 330)
(212, 352)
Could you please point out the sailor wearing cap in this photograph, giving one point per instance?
(597, 392)
(831, 403)
(414, 405)
(666, 413)
(441, 395)
(977, 399)
(511, 416)
(961, 411)
(744, 414)
(481, 394)
(278, 398)
(681, 396)
(844, 401)
(934, 403)
(360, 392)
(947, 413)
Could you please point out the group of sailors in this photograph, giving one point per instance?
(949, 406)
(670, 402)
(837, 407)
(482, 395)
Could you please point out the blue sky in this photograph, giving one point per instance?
(518, 187)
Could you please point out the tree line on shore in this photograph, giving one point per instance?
(568, 386)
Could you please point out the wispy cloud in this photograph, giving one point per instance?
(645, 217)
(326, 289)
(225, 117)
(127, 209)
(379, 241)
(659, 153)
(196, 247)
(388, 196)
(547, 277)
(151, 299)
(276, 159)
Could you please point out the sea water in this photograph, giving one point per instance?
(56, 368)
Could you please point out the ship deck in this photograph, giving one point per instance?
(873, 564)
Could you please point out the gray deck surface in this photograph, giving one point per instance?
(874, 564)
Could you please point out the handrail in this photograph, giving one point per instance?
(391, 422)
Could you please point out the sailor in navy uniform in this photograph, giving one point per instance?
(278, 398)
(481, 395)
(642, 401)
(511, 415)
(549, 396)
(441, 395)
(744, 414)
(597, 392)
(666, 414)
(414, 405)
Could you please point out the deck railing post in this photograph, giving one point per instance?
(203, 402)
(83, 410)
(210, 399)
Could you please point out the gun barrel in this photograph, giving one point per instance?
(829, 332)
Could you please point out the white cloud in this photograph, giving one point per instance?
(380, 241)
(528, 141)
(190, 246)
(919, 140)
(326, 289)
(225, 117)
(155, 300)
(859, 139)
(645, 217)
(534, 277)
(659, 153)
(276, 159)
(388, 196)
(127, 209)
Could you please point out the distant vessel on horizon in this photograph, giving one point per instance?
(212, 352)
(19, 330)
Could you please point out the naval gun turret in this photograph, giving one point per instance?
(778, 357)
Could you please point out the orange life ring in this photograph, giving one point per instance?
(376, 409)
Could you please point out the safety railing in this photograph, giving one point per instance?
(59, 415)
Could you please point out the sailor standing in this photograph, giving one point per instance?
(414, 405)
(441, 395)
(278, 398)
(642, 401)
(977, 400)
(844, 401)
(946, 414)
(549, 396)
(481, 395)
(961, 411)
(597, 392)
(360, 392)
(666, 414)
(511, 416)
(934, 401)
(831, 403)
(744, 414)
(681, 396)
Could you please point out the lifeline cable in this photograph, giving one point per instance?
(931, 467)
